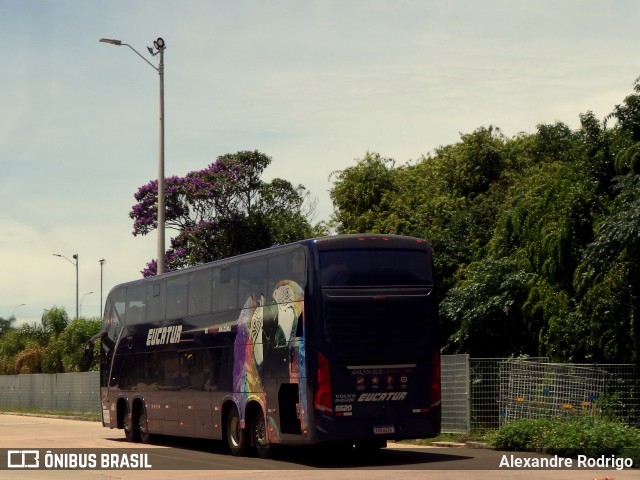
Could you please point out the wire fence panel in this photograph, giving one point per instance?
(477, 393)
(544, 390)
(455, 393)
(485, 386)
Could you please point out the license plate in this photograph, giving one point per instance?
(382, 429)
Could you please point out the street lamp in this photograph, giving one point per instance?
(102, 262)
(76, 258)
(158, 48)
(13, 315)
(82, 299)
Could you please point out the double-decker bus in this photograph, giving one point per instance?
(329, 340)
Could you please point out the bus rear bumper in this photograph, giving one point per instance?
(384, 428)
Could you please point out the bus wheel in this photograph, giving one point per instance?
(236, 436)
(143, 425)
(130, 431)
(259, 434)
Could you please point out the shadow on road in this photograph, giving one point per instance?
(320, 456)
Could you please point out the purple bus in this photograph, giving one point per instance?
(331, 340)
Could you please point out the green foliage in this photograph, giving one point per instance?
(523, 435)
(6, 324)
(54, 320)
(485, 308)
(581, 435)
(53, 346)
(608, 279)
(359, 194)
(536, 240)
(223, 210)
(29, 336)
(69, 345)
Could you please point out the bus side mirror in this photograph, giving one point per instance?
(88, 353)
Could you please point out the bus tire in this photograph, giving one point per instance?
(236, 436)
(143, 425)
(131, 432)
(259, 435)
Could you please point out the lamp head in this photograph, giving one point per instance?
(111, 41)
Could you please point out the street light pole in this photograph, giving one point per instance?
(77, 260)
(13, 315)
(82, 300)
(159, 47)
(102, 262)
(161, 195)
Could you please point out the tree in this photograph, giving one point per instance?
(6, 324)
(54, 320)
(607, 280)
(68, 346)
(223, 210)
(26, 337)
(359, 194)
(485, 311)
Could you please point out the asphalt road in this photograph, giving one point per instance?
(195, 459)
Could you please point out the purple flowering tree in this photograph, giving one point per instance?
(223, 210)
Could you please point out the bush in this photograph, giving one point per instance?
(582, 435)
(523, 435)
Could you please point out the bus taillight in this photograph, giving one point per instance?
(435, 379)
(322, 399)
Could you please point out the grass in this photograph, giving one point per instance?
(582, 435)
(484, 436)
(49, 413)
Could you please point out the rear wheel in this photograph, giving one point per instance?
(131, 433)
(259, 435)
(236, 436)
(143, 425)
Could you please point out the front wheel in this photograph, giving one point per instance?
(236, 436)
(259, 435)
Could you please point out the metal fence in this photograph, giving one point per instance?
(501, 390)
(454, 377)
(542, 390)
(477, 393)
(61, 392)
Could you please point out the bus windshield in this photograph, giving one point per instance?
(374, 267)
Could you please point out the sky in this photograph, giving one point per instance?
(313, 84)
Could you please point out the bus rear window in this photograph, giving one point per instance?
(374, 268)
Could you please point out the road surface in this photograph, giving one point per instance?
(173, 458)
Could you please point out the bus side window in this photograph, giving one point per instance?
(170, 369)
(200, 292)
(136, 304)
(177, 301)
(156, 296)
(211, 364)
(225, 288)
(253, 279)
(189, 371)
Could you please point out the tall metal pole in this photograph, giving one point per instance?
(159, 47)
(102, 262)
(161, 194)
(77, 257)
